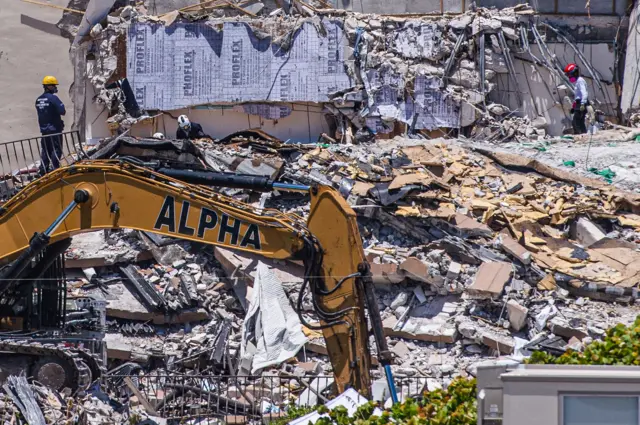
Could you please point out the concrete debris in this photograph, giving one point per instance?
(491, 279)
(517, 315)
(395, 70)
(37, 404)
(469, 261)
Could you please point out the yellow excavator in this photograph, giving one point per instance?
(36, 224)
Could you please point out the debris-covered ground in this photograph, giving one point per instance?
(474, 256)
(614, 150)
(476, 250)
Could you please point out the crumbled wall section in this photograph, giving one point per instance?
(369, 71)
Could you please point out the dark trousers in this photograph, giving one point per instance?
(50, 152)
(579, 121)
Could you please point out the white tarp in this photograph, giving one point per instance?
(95, 12)
(350, 399)
(189, 64)
(271, 324)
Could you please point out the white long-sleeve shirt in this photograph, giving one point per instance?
(581, 91)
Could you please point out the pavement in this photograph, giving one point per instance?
(24, 61)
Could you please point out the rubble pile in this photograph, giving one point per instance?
(473, 255)
(33, 403)
(424, 72)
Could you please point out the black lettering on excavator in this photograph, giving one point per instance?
(226, 228)
(184, 215)
(208, 220)
(167, 216)
(252, 237)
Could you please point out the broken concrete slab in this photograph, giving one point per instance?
(561, 328)
(384, 274)
(420, 329)
(310, 367)
(454, 270)
(587, 232)
(501, 343)
(243, 265)
(309, 396)
(123, 304)
(490, 279)
(513, 248)
(470, 227)
(166, 253)
(517, 315)
(117, 347)
(92, 249)
(419, 271)
(83, 263)
(401, 350)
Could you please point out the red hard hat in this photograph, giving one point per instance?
(570, 68)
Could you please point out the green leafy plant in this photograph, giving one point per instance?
(457, 404)
(293, 412)
(620, 346)
(454, 406)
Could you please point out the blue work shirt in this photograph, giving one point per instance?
(50, 111)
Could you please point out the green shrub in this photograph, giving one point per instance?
(454, 406)
(620, 346)
(457, 404)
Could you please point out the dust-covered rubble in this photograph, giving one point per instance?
(470, 260)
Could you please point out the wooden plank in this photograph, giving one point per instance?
(66, 9)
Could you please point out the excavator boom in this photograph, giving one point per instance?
(95, 195)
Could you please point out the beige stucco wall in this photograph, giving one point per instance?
(305, 124)
(27, 55)
(531, 400)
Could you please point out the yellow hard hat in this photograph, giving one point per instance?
(49, 81)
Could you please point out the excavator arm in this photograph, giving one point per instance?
(95, 195)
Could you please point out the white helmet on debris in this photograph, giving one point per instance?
(183, 122)
(158, 136)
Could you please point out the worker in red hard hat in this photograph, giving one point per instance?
(582, 104)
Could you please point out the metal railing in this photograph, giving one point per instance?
(21, 160)
(232, 399)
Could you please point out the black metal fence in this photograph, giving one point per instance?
(234, 399)
(21, 160)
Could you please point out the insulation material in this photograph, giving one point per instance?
(189, 64)
(431, 108)
(418, 40)
(386, 87)
(271, 325)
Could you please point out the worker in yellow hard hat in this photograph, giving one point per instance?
(50, 111)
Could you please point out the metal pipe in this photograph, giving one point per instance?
(384, 355)
(392, 385)
(62, 217)
(481, 62)
(451, 60)
(512, 71)
(208, 178)
(544, 50)
(291, 187)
